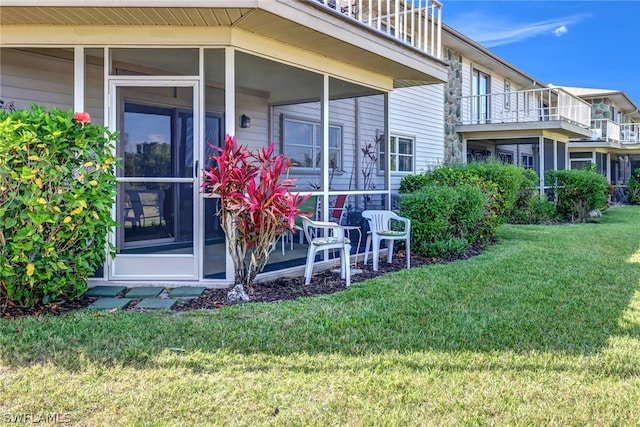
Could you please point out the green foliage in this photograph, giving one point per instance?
(533, 209)
(57, 187)
(502, 183)
(633, 188)
(447, 220)
(578, 192)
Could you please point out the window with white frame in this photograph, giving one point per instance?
(527, 161)
(401, 153)
(302, 140)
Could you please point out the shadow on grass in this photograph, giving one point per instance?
(522, 295)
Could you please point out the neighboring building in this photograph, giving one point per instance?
(176, 77)
(614, 143)
(494, 109)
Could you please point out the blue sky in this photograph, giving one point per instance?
(593, 44)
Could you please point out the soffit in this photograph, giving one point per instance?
(305, 25)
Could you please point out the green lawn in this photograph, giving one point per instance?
(543, 328)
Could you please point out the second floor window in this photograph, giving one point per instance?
(480, 89)
(303, 144)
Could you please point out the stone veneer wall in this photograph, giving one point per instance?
(601, 108)
(452, 93)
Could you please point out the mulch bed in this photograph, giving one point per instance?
(282, 289)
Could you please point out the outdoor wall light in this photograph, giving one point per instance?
(245, 121)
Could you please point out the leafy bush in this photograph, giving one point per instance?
(502, 183)
(633, 188)
(534, 209)
(578, 192)
(57, 186)
(447, 220)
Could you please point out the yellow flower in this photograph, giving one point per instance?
(76, 211)
(57, 209)
(83, 204)
(33, 158)
(67, 219)
(39, 182)
(42, 201)
(88, 164)
(59, 190)
(95, 215)
(93, 182)
(30, 269)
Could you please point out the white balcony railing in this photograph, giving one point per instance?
(532, 105)
(415, 22)
(630, 133)
(605, 130)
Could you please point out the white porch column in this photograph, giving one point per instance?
(555, 155)
(325, 147)
(609, 168)
(230, 91)
(78, 79)
(230, 129)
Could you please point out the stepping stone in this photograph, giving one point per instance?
(157, 303)
(144, 292)
(186, 292)
(110, 303)
(105, 291)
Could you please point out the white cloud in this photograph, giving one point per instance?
(491, 30)
(561, 30)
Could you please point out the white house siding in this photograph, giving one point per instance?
(419, 112)
(31, 78)
(27, 78)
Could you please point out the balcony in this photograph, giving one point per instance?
(526, 106)
(630, 133)
(416, 23)
(605, 130)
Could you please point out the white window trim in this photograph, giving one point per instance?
(397, 155)
(318, 124)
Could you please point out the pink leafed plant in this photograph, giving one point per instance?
(256, 205)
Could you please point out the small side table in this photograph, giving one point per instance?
(348, 229)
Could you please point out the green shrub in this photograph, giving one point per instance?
(447, 220)
(534, 209)
(502, 183)
(633, 188)
(57, 187)
(578, 192)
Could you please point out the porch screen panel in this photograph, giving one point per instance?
(154, 61)
(548, 154)
(280, 103)
(214, 252)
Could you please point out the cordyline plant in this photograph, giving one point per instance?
(256, 205)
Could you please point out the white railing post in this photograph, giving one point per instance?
(439, 41)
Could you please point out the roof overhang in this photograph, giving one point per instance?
(480, 55)
(306, 25)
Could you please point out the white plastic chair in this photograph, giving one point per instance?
(380, 229)
(334, 240)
